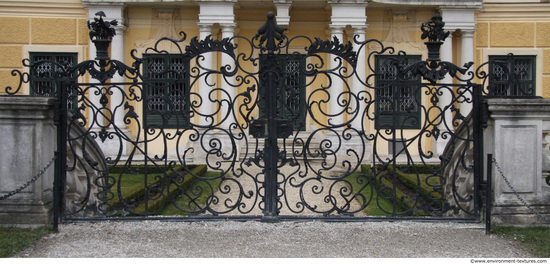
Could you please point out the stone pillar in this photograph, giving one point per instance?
(358, 86)
(227, 82)
(517, 128)
(337, 86)
(446, 98)
(117, 53)
(112, 147)
(204, 83)
(27, 146)
(212, 12)
(345, 13)
(228, 95)
(283, 16)
(112, 12)
(93, 97)
(467, 56)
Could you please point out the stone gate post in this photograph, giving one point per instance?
(27, 145)
(515, 136)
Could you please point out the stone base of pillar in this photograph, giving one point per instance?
(26, 213)
(440, 145)
(519, 215)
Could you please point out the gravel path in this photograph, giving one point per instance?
(286, 239)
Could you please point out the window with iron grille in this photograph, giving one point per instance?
(291, 103)
(397, 99)
(512, 75)
(46, 76)
(166, 91)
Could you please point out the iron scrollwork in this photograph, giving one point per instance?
(266, 162)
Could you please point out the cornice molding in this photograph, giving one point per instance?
(448, 3)
(515, 12)
(43, 8)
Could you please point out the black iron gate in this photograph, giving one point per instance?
(282, 134)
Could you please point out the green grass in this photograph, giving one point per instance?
(535, 240)
(13, 240)
(411, 181)
(195, 197)
(374, 208)
(133, 191)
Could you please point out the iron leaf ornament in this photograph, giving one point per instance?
(433, 29)
(344, 51)
(100, 29)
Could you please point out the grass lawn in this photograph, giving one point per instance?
(133, 191)
(13, 240)
(535, 240)
(195, 197)
(373, 208)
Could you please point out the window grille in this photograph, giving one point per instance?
(166, 91)
(405, 107)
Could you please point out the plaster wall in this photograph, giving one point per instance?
(519, 28)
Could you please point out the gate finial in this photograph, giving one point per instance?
(433, 29)
(270, 31)
(433, 69)
(101, 34)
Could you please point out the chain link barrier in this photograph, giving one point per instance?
(517, 194)
(12, 193)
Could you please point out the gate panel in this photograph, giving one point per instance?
(280, 134)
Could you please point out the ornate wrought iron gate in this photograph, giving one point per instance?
(294, 141)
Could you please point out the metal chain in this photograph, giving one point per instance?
(12, 193)
(517, 194)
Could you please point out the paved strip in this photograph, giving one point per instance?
(253, 239)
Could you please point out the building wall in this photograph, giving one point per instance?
(60, 26)
(522, 28)
(33, 25)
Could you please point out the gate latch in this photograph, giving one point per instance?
(259, 128)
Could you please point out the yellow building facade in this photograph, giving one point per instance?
(479, 30)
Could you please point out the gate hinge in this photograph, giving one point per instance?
(484, 113)
(56, 111)
(484, 192)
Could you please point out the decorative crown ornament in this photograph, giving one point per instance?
(433, 69)
(101, 34)
(433, 30)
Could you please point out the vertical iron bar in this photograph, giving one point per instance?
(57, 166)
(488, 194)
(478, 146)
(60, 120)
(271, 148)
(395, 94)
(146, 150)
(56, 191)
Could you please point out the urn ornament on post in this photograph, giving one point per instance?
(433, 30)
(101, 34)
